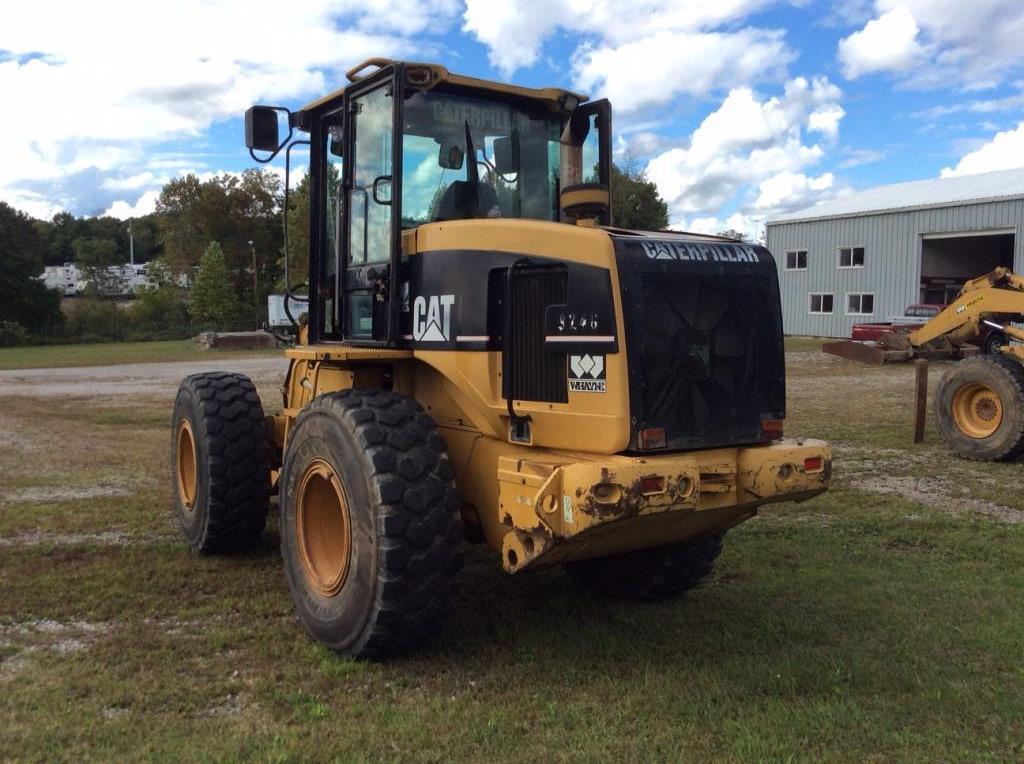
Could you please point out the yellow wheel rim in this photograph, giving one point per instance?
(977, 410)
(186, 465)
(323, 528)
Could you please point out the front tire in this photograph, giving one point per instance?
(979, 408)
(371, 532)
(220, 462)
(650, 574)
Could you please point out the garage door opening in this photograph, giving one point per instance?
(948, 260)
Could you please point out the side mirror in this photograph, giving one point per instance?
(261, 133)
(506, 160)
(450, 156)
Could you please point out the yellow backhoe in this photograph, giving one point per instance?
(979, 404)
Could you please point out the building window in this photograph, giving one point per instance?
(860, 304)
(796, 260)
(821, 303)
(851, 257)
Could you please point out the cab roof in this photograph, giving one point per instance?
(428, 76)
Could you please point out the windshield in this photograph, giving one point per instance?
(467, 157)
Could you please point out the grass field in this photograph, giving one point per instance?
(879, 622)
(107, 353)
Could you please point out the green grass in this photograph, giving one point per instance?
(860, 626)
(107, 353)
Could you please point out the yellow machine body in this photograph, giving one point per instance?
(574, 490)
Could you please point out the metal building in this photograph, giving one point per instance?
(867, 256)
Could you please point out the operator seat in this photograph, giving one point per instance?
(460, 203)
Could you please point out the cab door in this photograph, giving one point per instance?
(370, 211)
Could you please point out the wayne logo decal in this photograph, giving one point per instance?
(587, 374)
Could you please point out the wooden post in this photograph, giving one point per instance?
(920, 398)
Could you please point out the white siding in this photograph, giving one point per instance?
(892, 259)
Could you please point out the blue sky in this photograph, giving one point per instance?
(738, 109)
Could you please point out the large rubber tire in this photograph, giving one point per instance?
(392, 585)
(650, 574)
(979, 408)
(220, 462)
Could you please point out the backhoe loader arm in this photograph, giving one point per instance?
(1000, 292)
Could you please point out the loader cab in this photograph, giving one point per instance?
(406, 145)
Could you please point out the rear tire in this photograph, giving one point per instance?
(220, 462)
(650, 574)
(993, 342)
(979, 408)
(371, 531)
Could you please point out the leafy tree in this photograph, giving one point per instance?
(213, 298)
(160, 313)
(95, 257)
(24, 299)
(732, 233)
(230, 209)
(636, 203)
(298, 226)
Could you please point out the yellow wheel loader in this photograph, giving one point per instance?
(481, 357)
(979, 406)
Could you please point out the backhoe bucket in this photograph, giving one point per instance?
(864, 352)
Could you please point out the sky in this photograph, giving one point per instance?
(739, 110)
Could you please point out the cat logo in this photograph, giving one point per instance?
(587, 374)
(432, 318)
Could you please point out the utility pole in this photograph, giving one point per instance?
(131, 242)
(255, 284)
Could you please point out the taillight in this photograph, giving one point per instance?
(813, 464)
(652, 484)
(653, 437)
(771, 429)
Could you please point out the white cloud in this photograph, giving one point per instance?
(935, 43)
(749, 143)
(123, 210)
(888, 43)
(709, 60)
(105, 83)
(1004, 152)
(638, 56)
(139, 180)
(515, 32)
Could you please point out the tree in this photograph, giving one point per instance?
(213, 298)
(732, 233)
(230, 209)
(636, 203)
(97, 257)
(24, 299)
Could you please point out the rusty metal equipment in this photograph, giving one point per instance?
(480, 355)
(992, 300)
(979, 403)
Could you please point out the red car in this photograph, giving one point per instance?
(915, 317)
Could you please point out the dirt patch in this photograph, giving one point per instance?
(133, 379)
(106, 538)
(50, 494)
(25, 641)
(940, 494)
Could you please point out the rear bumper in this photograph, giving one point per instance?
(589, 506)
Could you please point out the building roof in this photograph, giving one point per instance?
(919, 194)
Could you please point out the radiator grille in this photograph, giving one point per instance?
(710, 356)
(537, 374)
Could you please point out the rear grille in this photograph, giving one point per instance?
(537, 375)
(711, 356)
